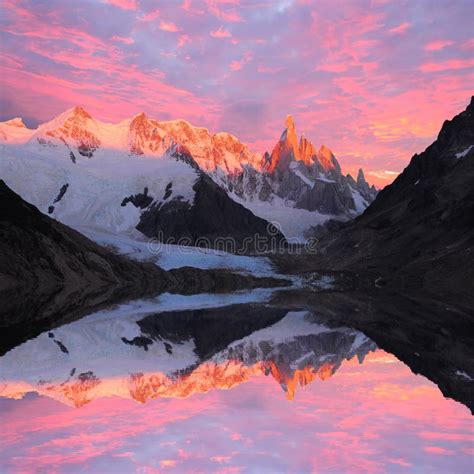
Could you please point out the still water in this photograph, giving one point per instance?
(241, 388)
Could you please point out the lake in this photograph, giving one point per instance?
(221, 383)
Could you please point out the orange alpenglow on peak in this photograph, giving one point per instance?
(289, 122)
(80, 112)
(326, 158)
(288, 149)
(16, 122)
(306, 150)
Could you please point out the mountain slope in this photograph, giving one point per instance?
(42, 259)
(420, 229)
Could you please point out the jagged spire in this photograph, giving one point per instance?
(360, 176)
(289, 122)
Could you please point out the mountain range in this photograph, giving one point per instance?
(175, 181)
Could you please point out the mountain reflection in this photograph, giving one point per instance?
(178, 354)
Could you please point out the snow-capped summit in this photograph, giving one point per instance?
(15, 122)
(75, 128)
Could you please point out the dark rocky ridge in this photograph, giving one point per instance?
(419, 231)
(213, 219)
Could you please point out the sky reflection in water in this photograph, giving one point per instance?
(374, 417)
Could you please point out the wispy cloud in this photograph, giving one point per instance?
(168, 26)
(123, 39)
(124, 4)
(400, 29)
(238, 64)
(220, 33)
(438, 45)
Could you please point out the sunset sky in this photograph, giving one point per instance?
(372, 79)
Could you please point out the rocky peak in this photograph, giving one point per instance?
(289, 122)
(362, 184)
(16, 122)
(144, 134)
(361, 177)
(327, 159)
(286, 150)
(306, 150)
(139, 118)
(456, 135)
(289, 134)
(79, 113)
(76, 129)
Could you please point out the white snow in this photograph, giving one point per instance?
(463, 374)
(325, 179)
(294, 167)
(173, 256)
(304, 178)
(462, 154)
(295, 323)
(360, 203)
(97, 186)
(291, 221)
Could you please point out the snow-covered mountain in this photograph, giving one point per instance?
(309, 179)
(173, 354)
(154, 176)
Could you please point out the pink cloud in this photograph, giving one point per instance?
(220, 33)
(448, 65)
(335, 67)
(400, 29)
(468, 45)
(237, 65)
(190, 7)
(123, 39)
(224, 9)
(151, 16)
(124, 4)
(183, 40)
(168, 26)
(438, 45)
(439, 450)
(269, 70)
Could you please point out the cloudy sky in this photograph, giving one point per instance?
(372, 79)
